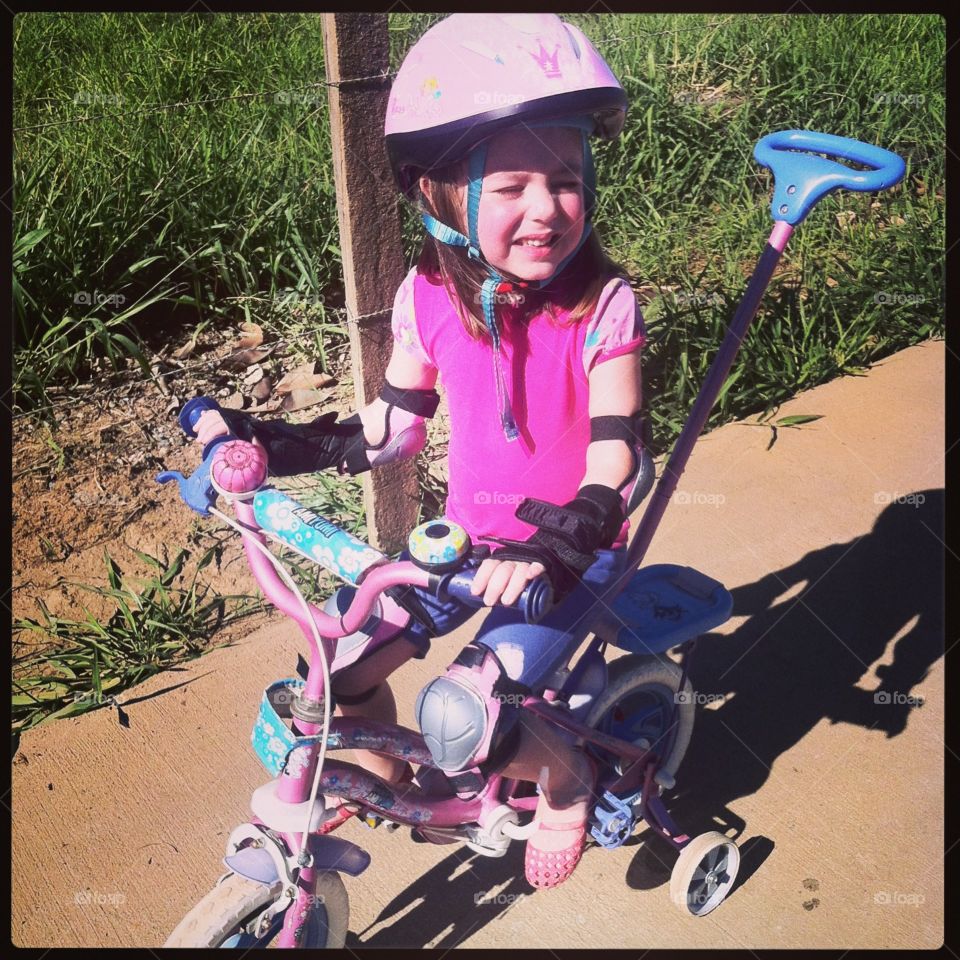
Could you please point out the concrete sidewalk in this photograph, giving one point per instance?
(810, 749)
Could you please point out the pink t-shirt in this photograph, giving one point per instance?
(546, 366)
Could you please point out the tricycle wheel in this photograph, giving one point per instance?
(704, 873)
(223, 916)
(636, 705)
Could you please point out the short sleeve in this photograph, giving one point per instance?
(616, 326)
(404, 321)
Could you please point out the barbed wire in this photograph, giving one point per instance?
(386, 75)
(200, 364)
(160, 107)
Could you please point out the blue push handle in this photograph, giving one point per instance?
(801, 179)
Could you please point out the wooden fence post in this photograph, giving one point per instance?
(356, 45)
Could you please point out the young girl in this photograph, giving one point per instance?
(536, 337)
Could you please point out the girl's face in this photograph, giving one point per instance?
(531, 211)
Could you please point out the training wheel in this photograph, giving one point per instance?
(704, 873)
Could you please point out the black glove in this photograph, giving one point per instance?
(568, 536)
(298, 447)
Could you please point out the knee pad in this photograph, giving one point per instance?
(465, 715)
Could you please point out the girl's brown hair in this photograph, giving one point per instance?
(578, 290)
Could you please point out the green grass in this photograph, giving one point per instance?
(155, 625)
(178, 210)
(137, 220)
(683, 205)
(227, 211)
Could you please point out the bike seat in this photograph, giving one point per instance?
(662, 606)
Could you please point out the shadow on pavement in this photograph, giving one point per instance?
(798, 660)
(792, 663)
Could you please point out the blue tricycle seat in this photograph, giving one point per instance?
(662, 606)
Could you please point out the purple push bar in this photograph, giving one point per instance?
(706, 398)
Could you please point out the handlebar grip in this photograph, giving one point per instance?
(191, 412)
(535, 602)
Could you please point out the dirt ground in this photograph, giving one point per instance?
(83, 482)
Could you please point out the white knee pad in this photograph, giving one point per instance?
(465, 714)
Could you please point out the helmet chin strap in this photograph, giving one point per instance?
(496, 283)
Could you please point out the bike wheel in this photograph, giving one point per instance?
(636, 704)
(220, 918)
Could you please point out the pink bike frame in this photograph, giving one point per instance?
(405, 803)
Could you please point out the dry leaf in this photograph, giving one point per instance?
(241, 359)
(254, 375)
(271, 406)
(252, 336)
(233, 402)
(297, 399)
(303, 378)
(183, 352)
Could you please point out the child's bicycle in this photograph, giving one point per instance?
(634, 716)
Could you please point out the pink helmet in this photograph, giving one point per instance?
(470, 75)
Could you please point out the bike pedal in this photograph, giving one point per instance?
(372, 820)
(614, 821)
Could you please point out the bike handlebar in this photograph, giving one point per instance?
(324, 542)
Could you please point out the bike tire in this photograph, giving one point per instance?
(236, 900)
(631, 677)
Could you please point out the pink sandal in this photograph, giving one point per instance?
(549, 868)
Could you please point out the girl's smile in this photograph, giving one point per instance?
(531, 213)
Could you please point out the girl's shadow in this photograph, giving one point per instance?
(458, 896)
(798, 660)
